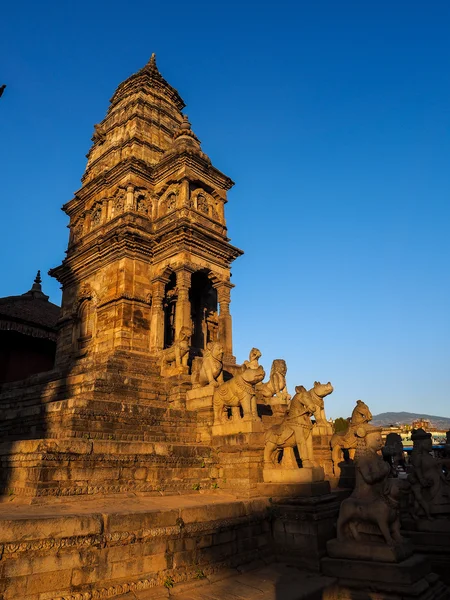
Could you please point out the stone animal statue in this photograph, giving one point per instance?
(373, 507)
(429, 484)
(253, 358)
(276, 386)
(209, 369)
(392, 452)
(236, 393)
(361, 416)
(177, 355)
(296, 428)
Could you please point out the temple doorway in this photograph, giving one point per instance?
(204, 315)
(169, 304)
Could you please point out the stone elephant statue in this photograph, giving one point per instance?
(236, 393)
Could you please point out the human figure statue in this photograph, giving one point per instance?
(276, 387)
(375, 498)
(392, 453)
(430, 486)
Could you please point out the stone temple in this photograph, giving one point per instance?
(146, 462)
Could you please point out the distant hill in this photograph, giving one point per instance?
(406, 418)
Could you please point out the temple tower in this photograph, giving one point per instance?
(148, 252)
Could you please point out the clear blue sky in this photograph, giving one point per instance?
(332, 118)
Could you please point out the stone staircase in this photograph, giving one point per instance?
(105, 429)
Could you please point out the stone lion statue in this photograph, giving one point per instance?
(296, 428)
(236, 393)
(176, 357)
(276, 386)
(208, 369)
(361, 416)
(373, 507)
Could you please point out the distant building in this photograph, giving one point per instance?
(27, 333)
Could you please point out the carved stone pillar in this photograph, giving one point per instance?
(183, 308)
(129, 201)
(225, 329)
(157, 318)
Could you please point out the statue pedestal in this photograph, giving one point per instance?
(237, 427)
(303, 524)
(172, 371)
(293, 475)
(322, 451)
(200, 399)
(372, 551)
(375, 570)
(431, 538)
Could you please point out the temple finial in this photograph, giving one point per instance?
(152, 60)
(36, 287)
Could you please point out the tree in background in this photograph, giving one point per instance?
(340, 424)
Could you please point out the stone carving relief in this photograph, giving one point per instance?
(96, 217)
(214, 212)
(142, 202)
(208, 369)
(237, 393)
(171, 202)
(429, 483)
(175, 359)
(373, 507)
(77, 230)
(119, 201)
(348, 440)
(202, 204)
(295, 430)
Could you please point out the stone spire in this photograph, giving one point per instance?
(143, 115)
(185, 140)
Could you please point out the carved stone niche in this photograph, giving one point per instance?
(118, 203)
(83, 315)
(142, 202)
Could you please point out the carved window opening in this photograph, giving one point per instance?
(171, 202)
(204, 315)
(169, 305)
(202, 204)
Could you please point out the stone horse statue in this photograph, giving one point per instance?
(296, 428)
(361, 416)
